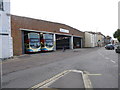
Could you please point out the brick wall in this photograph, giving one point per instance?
(35, 24)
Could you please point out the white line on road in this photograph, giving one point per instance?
(101, 54)
(46, 83)
(112, 61)
(107, 57)
(89, 74)
(94, 74)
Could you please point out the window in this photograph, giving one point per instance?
(1, 5)
(34, 45)
(48, 36)
(34, 35)
(49, 43)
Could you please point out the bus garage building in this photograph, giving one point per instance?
(63, 35)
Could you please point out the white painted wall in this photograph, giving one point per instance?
(87, 39)
(90, 39)
(54, 39)
(71, 42)
(6, 46)
(96, 39)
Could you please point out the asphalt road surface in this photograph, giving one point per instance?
(29, 70)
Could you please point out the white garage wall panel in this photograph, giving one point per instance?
(6, 46)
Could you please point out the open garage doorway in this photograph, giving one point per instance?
(77, 42)
(62, 41)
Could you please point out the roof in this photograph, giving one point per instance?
(47, 21)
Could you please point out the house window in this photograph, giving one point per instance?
(1, 5)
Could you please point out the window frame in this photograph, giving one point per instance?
(1, 5)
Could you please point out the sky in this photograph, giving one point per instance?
(85, 15)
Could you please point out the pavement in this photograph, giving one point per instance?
(27, 71)
(71, 80)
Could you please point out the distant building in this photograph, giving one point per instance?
(115, 41)
(100, 39)
(108, 40)
(90, 40)
(93, 39)
(62, 35)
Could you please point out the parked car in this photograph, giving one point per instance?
(117, 48)
(109, 47)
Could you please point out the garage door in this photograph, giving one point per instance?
(62, 41)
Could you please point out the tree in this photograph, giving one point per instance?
(117, 34)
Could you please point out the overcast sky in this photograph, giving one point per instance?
(85, 15)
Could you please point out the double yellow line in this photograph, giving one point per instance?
(44, 85)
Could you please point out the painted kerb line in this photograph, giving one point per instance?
(49, 80)
(46, 83)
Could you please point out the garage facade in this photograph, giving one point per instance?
(63, 35)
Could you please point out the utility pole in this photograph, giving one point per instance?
(119, 16)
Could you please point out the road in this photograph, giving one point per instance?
(29, 70)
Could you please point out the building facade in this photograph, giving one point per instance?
(90, 39)
(13, 31)
(100, 39)
(94, 39)
(108, 40)
(64, 35)
(6, 47)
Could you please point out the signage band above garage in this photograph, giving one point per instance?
(64, 30)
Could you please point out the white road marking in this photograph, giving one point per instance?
(101, 54)
(49, 81)
(46, 83)
(107, 58)
(86, 80)
(112, 61)
(85, 74)
(94, 74)
(89, 74)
